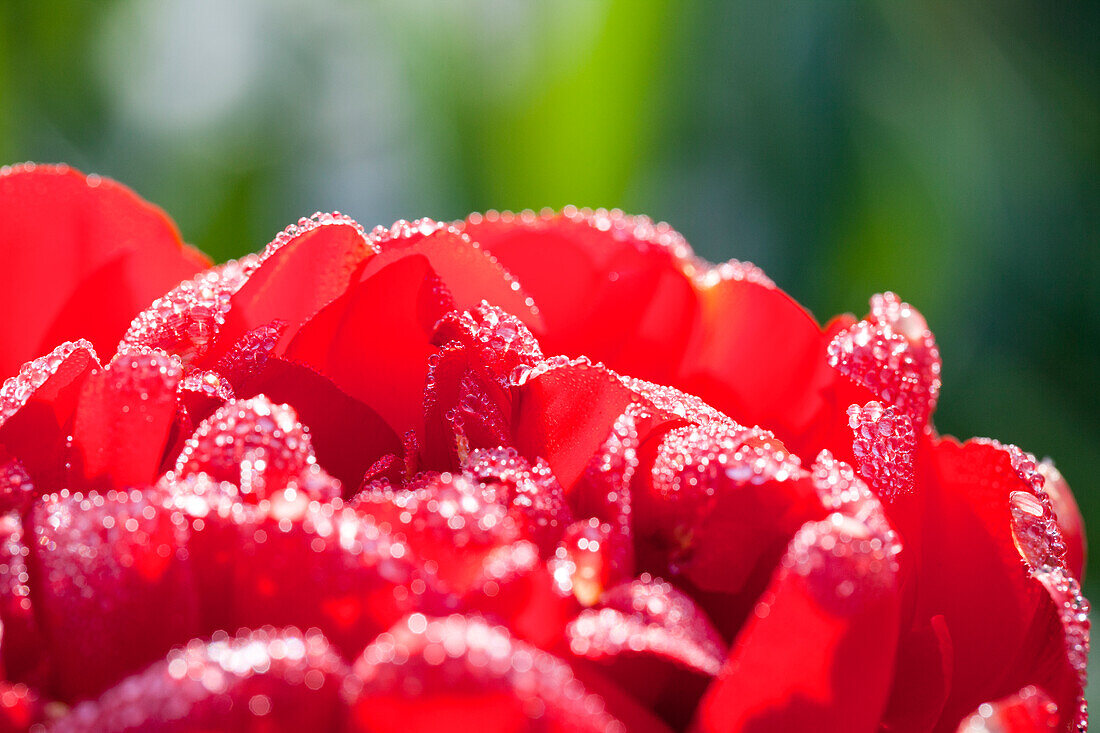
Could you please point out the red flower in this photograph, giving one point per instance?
(401, 481)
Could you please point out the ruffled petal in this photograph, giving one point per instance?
(79, 257)
(1069, 517)
(892, 353)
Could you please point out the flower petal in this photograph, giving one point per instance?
(609, 286)
(36, 410)
(883, 444)
(922, 679)
(310, 566)
(1070, 521)
(186, 320)
(123, 418)
(837, 585)
(254, 443)
(987, 510)
(457, 673)
(374, 341)
(21, 647)
(452, 521)
(308, 265)
(469, 272)
(758, 356)
(532, 491)
(1028, 711)
(654, 641)
(717, 507)
(257, 680)
(893, 354)
(565, 410)
(347, 435)
(110, 584)
(95, 231)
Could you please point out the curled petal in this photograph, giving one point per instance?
(655, 642)
(502, 340)
(532, 491)
(466, 407)
(893, 354)
(459, 673)
(648, 616)
(721, 502)
(110, 254)
(265, 679)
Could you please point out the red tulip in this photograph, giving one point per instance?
(522, 472)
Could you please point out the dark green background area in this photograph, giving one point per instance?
(949, 151)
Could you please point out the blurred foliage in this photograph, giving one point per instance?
(949, 151)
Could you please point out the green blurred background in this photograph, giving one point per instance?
(949, 151)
